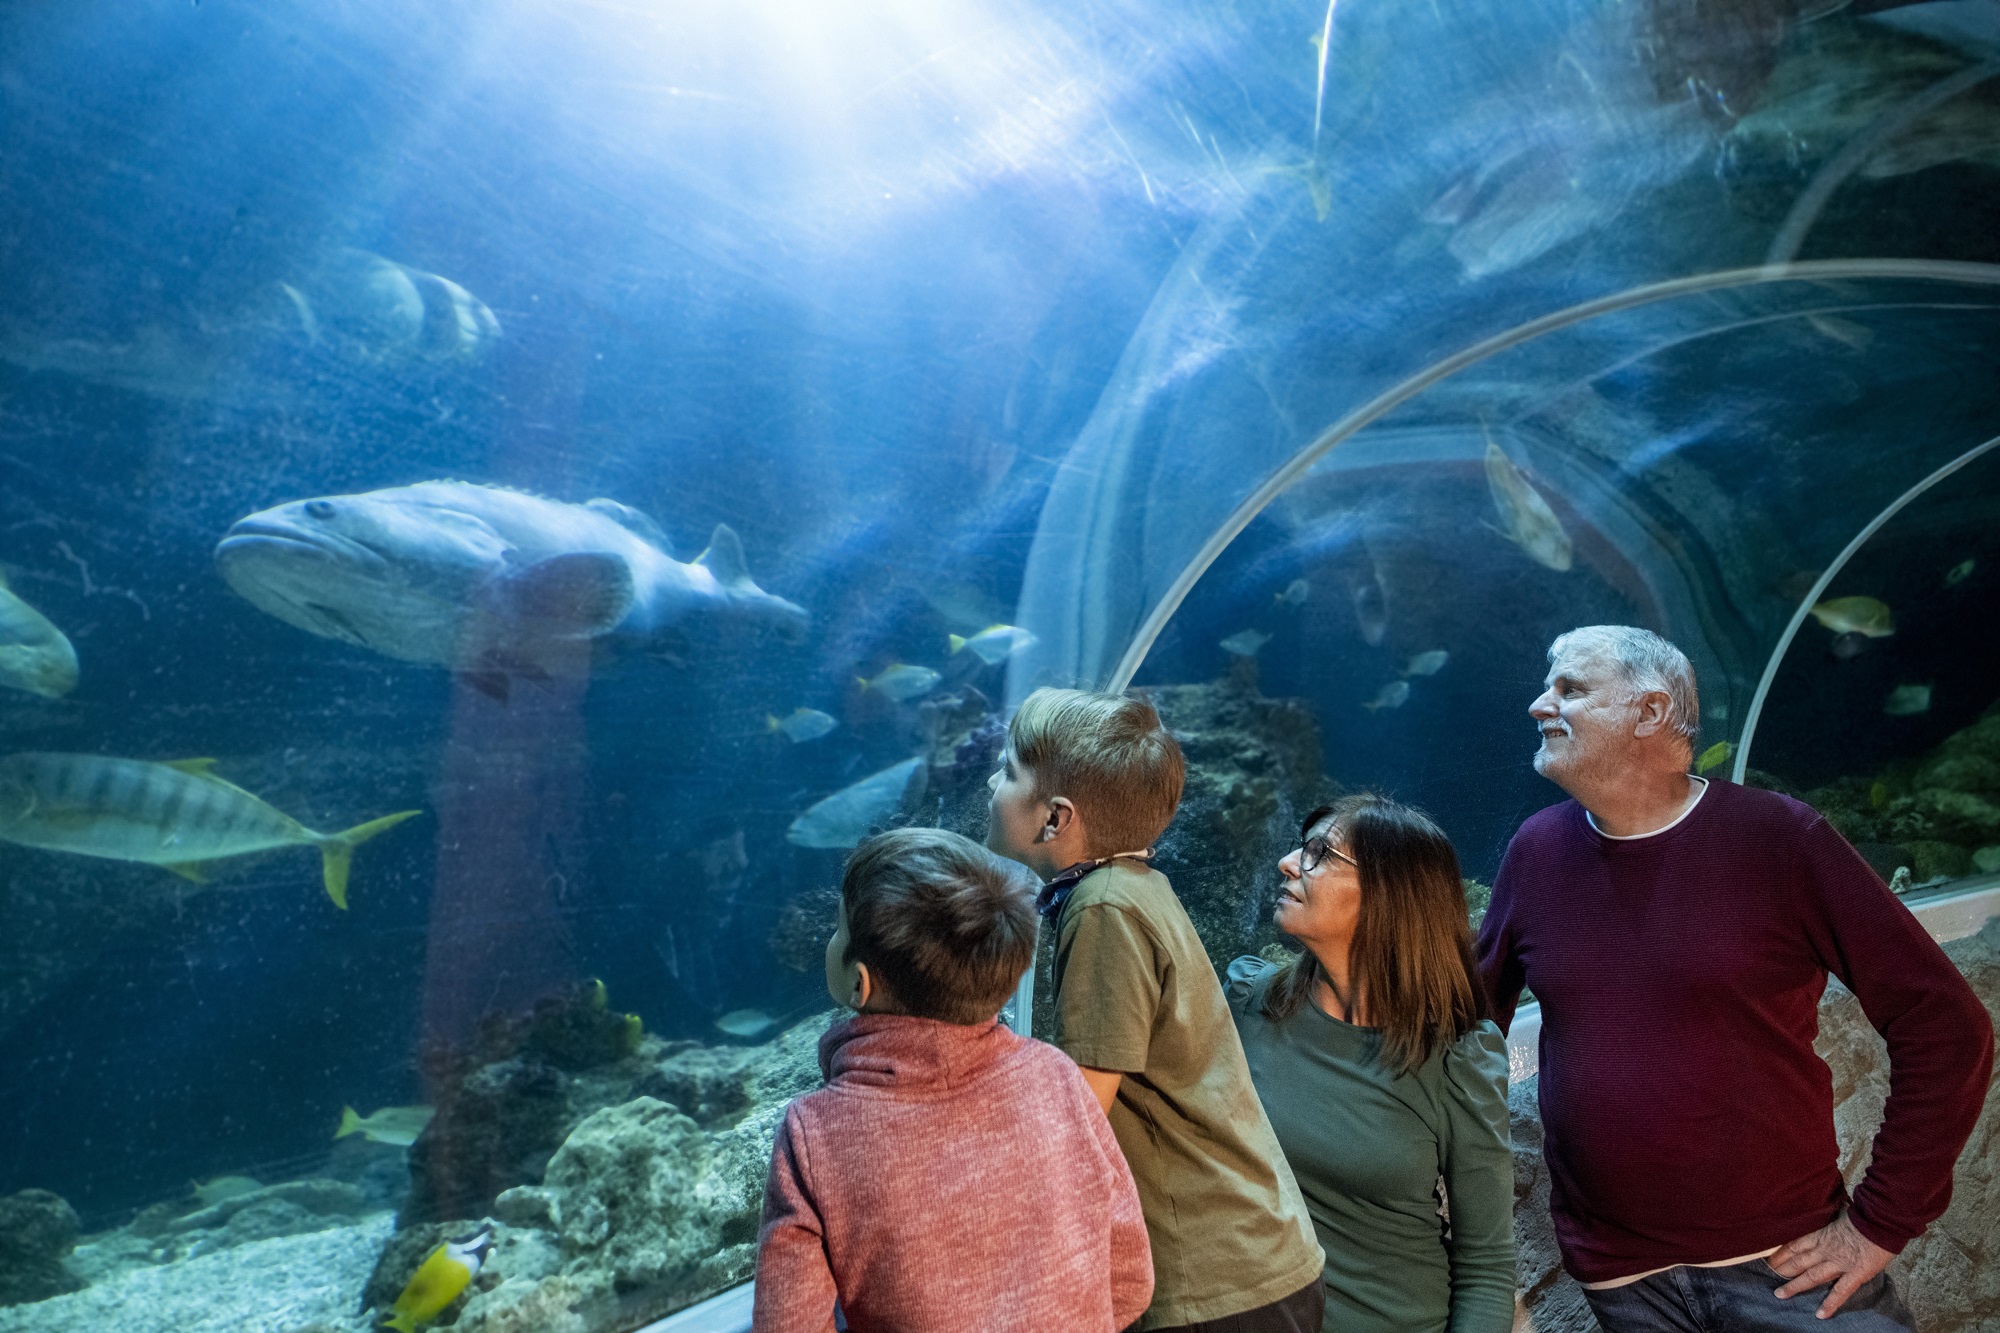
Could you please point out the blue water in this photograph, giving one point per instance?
(931, 303)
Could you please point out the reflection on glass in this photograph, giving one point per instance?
(654, 443)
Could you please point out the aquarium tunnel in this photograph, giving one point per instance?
(499, 498)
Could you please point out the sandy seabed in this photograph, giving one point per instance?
(284, 1285)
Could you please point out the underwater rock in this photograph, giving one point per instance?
(1253, 769)
(804, 926)
(639, 1209)
(1943, 1274)
(294, 1284)
(496, 1129)
(504, 1107)
(500, 1125)
(1938, 860)
(1551, 1296)
(646, 1208)
(311, 1197)
(37, 1231)
(1884, 858)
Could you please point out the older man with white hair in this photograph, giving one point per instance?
(1678, 932)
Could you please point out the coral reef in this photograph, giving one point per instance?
(1945, 1274)
(504, 1106)
(291, 1284)
(1937, 816)
(37, 1232)
(1253, 769)
(649, 1201)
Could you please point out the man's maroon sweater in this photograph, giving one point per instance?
(1686, 1116)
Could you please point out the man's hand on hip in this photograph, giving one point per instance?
(1836, 1253)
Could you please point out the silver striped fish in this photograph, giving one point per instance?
(179, 816)
(34, 655)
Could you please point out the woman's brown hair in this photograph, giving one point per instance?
(1411, 960)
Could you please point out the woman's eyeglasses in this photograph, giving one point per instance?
(1314, 853)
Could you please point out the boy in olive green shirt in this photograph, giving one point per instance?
(1087, 783)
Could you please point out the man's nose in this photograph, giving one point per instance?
(1289, 867)
(993, 781)
(1544, 706)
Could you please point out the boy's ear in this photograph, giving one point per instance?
(864, 987)
(1061, 815)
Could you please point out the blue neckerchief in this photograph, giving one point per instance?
(1049, 902)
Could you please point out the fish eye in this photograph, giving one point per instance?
(319, 509)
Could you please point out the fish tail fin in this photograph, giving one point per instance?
(337, 851)
(350, 1123)
(862, 681)
(771, 722)
(957, 641)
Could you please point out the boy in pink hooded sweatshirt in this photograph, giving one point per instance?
(950, 1175)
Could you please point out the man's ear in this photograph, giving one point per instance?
(1061, 815)
(1655, 709)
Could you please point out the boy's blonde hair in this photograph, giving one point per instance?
(1110, 755)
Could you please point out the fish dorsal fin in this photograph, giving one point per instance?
(200, 768)
(639, 525)
(196, 871)
(724, 558)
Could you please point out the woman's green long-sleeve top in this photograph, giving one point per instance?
(1369, 1146)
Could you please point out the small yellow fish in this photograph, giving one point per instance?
(439, 1280)
(902, 682)
(1868, 616)
(1715, 756)
(1426, 664)
(1295, 594)
(994, 644)
(1525, 517)
(208, 1193)
(1878, 795)
(801, 724)
(1245, 643)
(396, 1125)
(1393, 695)
(1908, 701)
(1960, 572)
(745, 1023)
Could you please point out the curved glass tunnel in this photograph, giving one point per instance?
(1309, 366)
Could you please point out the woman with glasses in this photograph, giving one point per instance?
(1384, 1080)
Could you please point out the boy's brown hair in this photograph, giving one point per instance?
(948, 926)
(1110, 755)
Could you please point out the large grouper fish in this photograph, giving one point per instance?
(475, 578)
(179, 816)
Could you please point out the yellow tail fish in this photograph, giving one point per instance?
(179, 815)
(439, 1280)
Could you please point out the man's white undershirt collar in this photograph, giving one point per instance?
(1699, 792)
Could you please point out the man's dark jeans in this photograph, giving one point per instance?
(1741, 1299)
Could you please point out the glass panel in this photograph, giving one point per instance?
(759, 348)
(1691, 465)
(1885, 714)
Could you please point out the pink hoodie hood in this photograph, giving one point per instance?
(911, 1058)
